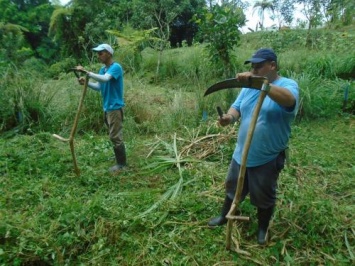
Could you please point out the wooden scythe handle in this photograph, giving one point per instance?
(60, 138)
(75, 125)
(230, 216)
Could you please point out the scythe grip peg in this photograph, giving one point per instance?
(76, 72)
(220, 112)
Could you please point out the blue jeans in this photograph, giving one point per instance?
(260, 181)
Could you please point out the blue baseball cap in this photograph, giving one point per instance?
(261, 55)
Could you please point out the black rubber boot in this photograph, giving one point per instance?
(120, 154)
(264, 217)
(221, 220)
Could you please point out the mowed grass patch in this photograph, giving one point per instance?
(50, 216)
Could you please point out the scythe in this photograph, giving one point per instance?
(259, 83)
(253, 83)
(75, 124)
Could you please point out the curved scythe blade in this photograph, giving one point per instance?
(253, 83)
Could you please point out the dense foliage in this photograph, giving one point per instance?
(52, 32)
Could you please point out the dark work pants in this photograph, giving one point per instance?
(260, 182)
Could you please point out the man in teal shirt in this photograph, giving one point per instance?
(109, 82)
(267, 150)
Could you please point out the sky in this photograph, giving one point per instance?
(253, 17)
(63, 2)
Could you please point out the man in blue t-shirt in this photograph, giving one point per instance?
(109, 82)
(267, 150)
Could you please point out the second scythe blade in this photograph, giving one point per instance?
(253, 83)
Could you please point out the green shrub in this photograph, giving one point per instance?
(62, 66)
(169, 68)
(345, 66)
(129, 58)
(36, 65)
(25, 102)
(319, 98)
(320, 65)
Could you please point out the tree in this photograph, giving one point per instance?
(34, 16)
(158, 14)
(61, 29)
(183, 28)
(312, 12)
(8, 11)
(81, 25)
(11, 41)
(132, 42)
(262, 7)
(340, 11)
(219, 28)
(283, 11)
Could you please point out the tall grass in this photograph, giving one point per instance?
(184, 75)
(25, 101)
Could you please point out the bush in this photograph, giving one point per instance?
(319, 98)
(62, 66)
(24, 101)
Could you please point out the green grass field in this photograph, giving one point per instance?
(156, 212)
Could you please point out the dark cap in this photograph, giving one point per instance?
(261, 55)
